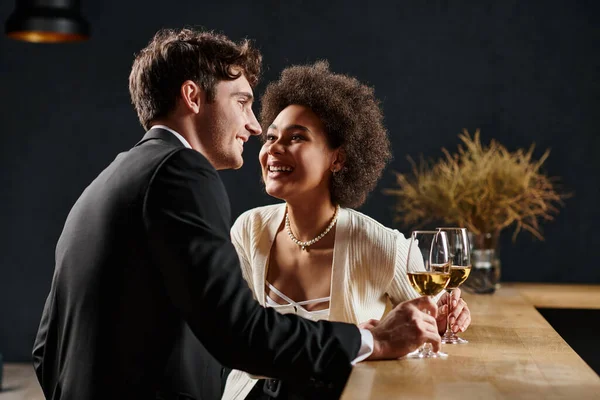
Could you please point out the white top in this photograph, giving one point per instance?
(297, 307)
(368, 272)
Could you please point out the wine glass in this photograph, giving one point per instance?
(460, 268)
(428, 270)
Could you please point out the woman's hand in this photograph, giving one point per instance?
(370, 324)
(460, 315)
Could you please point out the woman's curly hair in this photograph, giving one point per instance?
(352, 119)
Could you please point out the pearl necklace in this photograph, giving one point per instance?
(306, 244)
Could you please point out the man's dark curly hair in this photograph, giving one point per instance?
(172, 57)
(352, 119)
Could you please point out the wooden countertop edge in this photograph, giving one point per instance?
(552, 295)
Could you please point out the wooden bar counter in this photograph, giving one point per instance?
(513, 353)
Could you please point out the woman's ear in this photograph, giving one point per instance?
(339, 158)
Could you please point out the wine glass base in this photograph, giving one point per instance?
(453, 339)
(426, 354)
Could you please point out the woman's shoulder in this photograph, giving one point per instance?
(366, 225)
(258, 216)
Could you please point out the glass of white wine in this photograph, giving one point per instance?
(428, 270)
(460, 268)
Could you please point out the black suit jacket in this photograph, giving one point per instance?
(145, 272)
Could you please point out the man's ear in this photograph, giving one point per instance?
(338, 160)
(192, 95)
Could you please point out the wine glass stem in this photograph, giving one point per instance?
(427, 348)
(449, 303)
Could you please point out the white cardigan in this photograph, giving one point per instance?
(369, 267)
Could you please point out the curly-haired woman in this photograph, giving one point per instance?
(324, 150)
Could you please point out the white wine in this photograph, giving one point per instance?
(458, 274)
(428, 283)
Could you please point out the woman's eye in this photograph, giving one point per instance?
(270, 137)
(297, 137)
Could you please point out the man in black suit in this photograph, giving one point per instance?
(145, 272)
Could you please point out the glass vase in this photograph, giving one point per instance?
(485, 264)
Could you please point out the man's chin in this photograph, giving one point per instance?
(230, 164)
(238, 163)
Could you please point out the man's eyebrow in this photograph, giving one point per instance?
(247, 95)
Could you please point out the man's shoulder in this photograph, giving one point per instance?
(162, 152)
(167, 161)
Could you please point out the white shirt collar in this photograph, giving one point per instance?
(177, 135)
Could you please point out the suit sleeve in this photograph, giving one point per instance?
(44, 356)
(39, 345)
(186, 213)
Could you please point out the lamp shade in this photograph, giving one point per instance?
(47, 21)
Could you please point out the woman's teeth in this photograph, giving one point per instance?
(280, 169)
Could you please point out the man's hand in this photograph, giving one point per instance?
(404, 329)
(460, 315)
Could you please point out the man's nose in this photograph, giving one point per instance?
(253, 126)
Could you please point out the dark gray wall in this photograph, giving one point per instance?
(523, 72)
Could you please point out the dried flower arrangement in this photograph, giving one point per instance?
(483, 188)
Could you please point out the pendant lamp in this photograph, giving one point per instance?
(47, 21)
